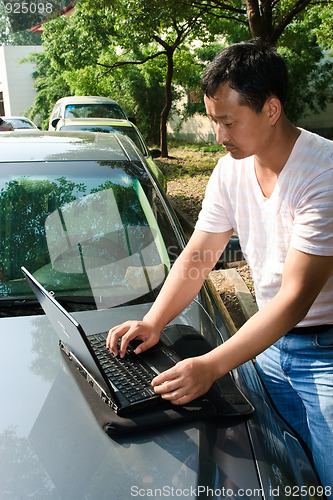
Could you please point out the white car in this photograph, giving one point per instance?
(85, 107)
(19, 122)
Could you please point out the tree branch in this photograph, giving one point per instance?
(125, 63)
(217, 5)
(298, 7)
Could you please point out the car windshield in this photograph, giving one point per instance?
(102, 110)
(129, 131)
(91, 232)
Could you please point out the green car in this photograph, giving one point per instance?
(119, 126)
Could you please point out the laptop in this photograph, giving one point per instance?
(123, 383)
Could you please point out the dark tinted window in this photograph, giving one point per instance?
(106, 110)
(20, 123)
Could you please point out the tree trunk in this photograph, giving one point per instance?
(167, 106)
(260, 19)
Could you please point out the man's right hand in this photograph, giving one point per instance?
(140, 330)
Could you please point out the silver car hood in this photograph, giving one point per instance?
(52, 446)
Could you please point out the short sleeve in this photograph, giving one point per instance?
(213, 217)
(313, 222)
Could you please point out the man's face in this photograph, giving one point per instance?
(238, 128)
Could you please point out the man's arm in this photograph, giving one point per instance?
(181, 286)
(304, 275)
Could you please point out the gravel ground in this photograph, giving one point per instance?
(188, 192)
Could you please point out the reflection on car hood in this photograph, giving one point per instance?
(52, 446)
(49, 429)
(61, 146)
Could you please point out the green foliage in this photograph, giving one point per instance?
(310, 72)
(50, 85)
(100, 50)
(8, 37)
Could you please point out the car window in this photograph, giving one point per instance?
(20, 123)
(129, 131)
(103, 238)
(103, 110)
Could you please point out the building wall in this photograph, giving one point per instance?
(198, 128)
(16, 82)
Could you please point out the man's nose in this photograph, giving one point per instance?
(222, 135)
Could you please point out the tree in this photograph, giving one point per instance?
(148, 33)
(300, 30)
(50, 85)
(266, 19)
(8, 37)
(102, 49)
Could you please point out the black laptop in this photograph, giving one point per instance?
(124, 383)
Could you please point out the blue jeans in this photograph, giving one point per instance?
(298, 374)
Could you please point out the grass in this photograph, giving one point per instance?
(190, 160)
(187, 170)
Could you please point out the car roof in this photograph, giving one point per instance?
(27, 146)
(20, 118)
(85, 99)
(14, 117)
(97, 121)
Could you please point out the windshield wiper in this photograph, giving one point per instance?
(17, 301)
(22, 306)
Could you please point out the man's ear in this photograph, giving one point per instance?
(274, 109)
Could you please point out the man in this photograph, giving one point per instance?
(274, 188)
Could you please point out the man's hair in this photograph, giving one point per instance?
(251, 68)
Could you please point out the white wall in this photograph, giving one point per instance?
(16, 81)
(198, 128)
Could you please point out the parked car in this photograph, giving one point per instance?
(20, 122)
(85, 107)
(5, 126)
(109, 125)
(83, 213)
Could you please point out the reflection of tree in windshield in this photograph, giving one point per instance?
(25, 203)
(128, 203)
(80, 237)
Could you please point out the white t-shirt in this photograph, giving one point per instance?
(299, 214)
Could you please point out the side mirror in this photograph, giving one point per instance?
(54, 122)
(132, 119)
(155, 153)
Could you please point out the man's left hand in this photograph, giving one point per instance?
(187, 380)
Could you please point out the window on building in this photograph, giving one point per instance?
(2, 107)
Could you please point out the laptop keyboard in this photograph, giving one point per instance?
(131, 378)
